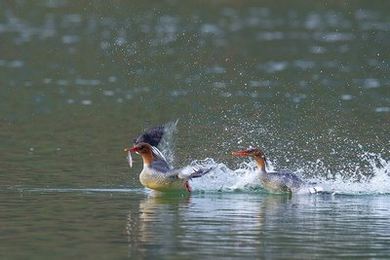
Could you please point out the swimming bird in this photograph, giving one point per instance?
(279, 182)
(157, 174)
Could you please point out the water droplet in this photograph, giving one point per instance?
(346, 97)
(86, 102)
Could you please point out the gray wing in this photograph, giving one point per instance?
(199, 173)
(288, 179)
(160, 165)
(177, 173)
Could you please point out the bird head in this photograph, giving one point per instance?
(141, 148)
(250, 152)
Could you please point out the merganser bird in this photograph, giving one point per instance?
(274, 181)
(156, 173)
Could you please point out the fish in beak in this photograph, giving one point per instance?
(129, 158)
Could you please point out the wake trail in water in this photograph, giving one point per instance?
(246, 178)
(83, 190)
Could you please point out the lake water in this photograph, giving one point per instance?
(307, 82)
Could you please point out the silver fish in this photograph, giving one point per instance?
(129, 159)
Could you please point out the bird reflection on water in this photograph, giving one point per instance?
(156, 218)
(162, 223)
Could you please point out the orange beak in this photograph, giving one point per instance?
(132, 149)
(241, 153)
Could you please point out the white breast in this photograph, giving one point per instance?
(155, 180)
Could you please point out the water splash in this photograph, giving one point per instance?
(376, 182)
(168, 141)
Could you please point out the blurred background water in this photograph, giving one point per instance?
(306, 81)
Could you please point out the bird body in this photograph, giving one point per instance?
(161, 181)
(280, 181)
(277, 182)
(157, 174)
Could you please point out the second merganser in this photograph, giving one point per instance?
(156, 173)
(274, 181)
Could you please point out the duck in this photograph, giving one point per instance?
(275, 182)
(157, 174)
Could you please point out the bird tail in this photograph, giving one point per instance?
(199, 173)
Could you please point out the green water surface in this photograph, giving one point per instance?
(307, 81)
